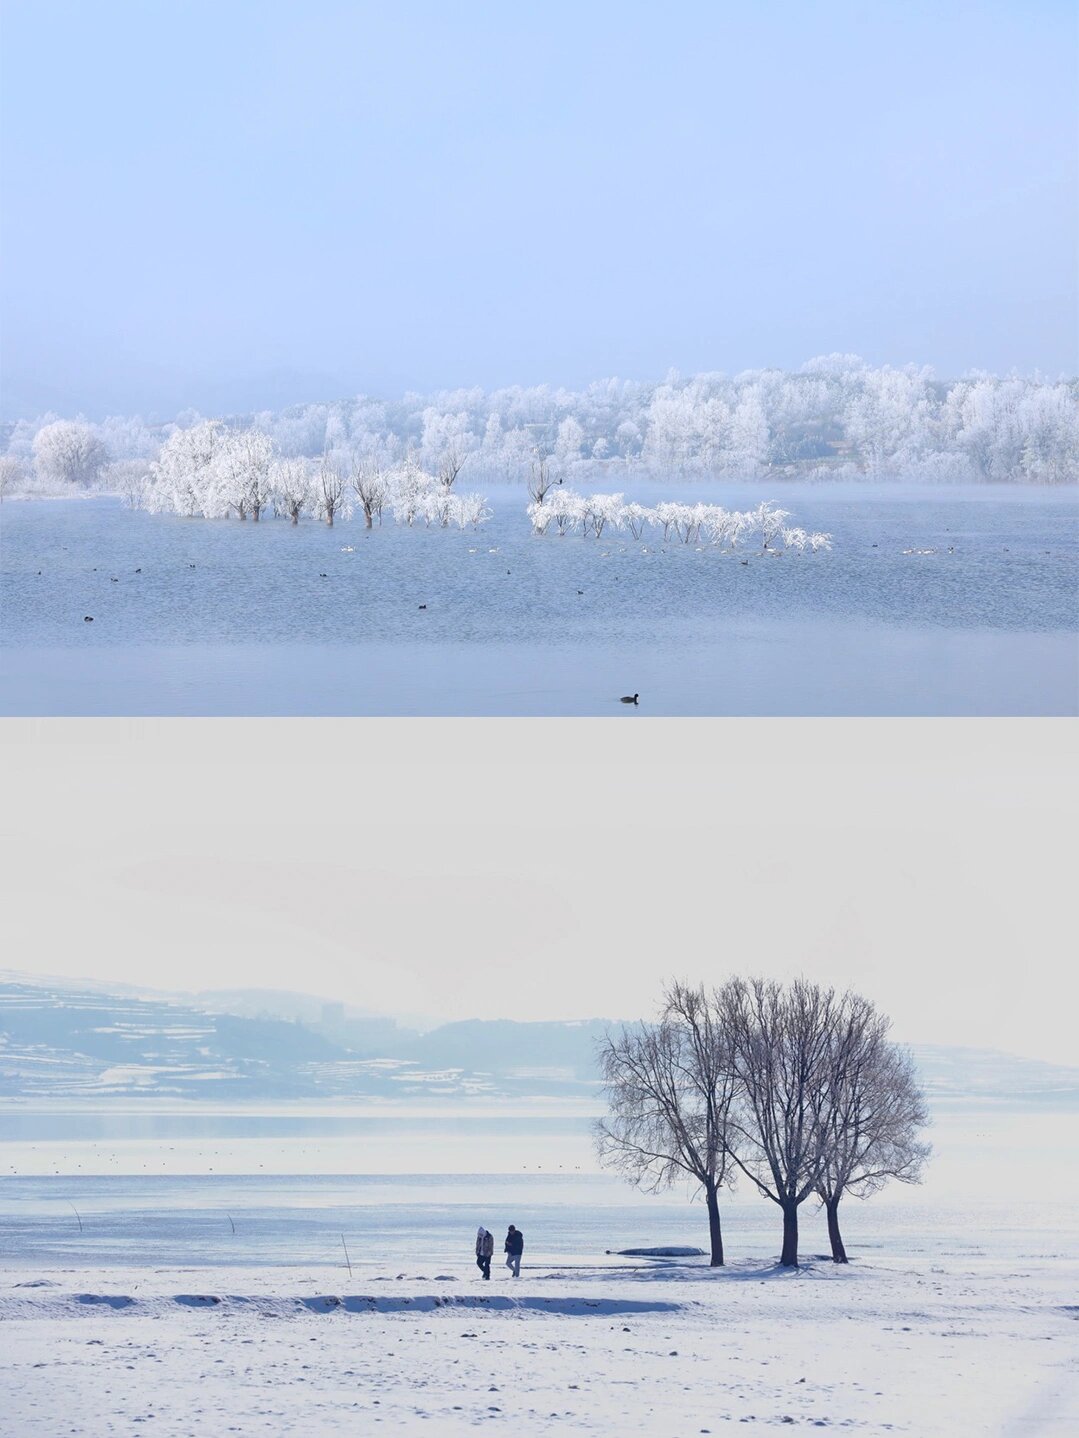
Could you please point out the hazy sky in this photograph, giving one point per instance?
(225, 203)
(453, 869)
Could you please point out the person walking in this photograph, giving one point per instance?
(485, 1249)
(515, 1246)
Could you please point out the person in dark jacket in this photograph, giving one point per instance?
(515, 1246)
(485, 1249)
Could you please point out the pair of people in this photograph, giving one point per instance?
(514, 1246)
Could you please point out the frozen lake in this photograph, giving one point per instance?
(408, 1185)
(231, 618)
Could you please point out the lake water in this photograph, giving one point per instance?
(230, 618)
(206, 1186)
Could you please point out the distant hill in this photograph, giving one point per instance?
(62, 1040)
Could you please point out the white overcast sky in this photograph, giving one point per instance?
(536, 869)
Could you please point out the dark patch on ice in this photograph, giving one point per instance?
(108, 1300)
(197, 1300)
(658, 1252)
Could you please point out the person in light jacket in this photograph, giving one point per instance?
(515, 1246)
(485, 1248)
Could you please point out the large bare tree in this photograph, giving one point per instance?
(874, 1114)
(779, 1042)
(670, 1089)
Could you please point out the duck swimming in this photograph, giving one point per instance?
(629, 699)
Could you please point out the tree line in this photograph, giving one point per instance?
(837, 417)
(794, 1089)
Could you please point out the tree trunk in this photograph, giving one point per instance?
(329, 517)
(715, 1231)
(839, 1253)
(367, 517)
(256, 509)
(789, 1257)
(295, 516)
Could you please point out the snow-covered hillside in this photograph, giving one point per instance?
(65, 1041)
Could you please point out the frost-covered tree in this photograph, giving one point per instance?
(183, 479)
(12, 476)
(330, 488)
(292, 487)
(242, 470)
(69, 453)
(371, 489)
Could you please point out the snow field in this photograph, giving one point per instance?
(924, 1348)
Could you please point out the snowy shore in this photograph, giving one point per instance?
(923, 1347)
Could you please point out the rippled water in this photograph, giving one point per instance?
(218, 617)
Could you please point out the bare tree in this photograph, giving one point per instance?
(874, 1114)
(540, 479)
(449, 467)
(330, 487)
(779, 1043)
(670, 1091)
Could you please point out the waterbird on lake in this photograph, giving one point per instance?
(88, 619)
(629, 699)
(324, 576)
(422, 606)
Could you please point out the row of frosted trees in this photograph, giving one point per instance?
(565, 512)
(795, 1089)
(837, 415)
(214, 472)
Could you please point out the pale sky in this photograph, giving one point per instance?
(242, 203)
(533, 869)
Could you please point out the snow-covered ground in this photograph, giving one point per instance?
(925, 1347)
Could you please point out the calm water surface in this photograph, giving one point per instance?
(231, 618)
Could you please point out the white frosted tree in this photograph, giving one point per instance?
(330, 489)
(183, 477)
(12, 475)
(68, 453)
(292, 487)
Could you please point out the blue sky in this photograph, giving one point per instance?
(237, 204)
